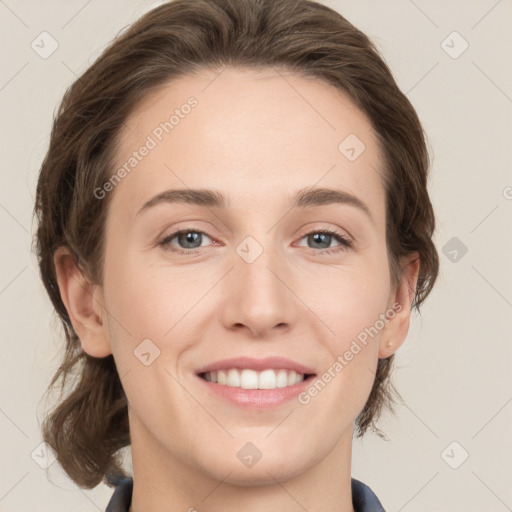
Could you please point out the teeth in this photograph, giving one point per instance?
(233, 379)
(282, 379)
(248, 379)
(267, 380)
(251, 379)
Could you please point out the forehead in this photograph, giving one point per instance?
(250, 133)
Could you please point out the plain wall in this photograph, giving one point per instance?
(454, 370)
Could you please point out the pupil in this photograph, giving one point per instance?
(319, 236)
(189, 237)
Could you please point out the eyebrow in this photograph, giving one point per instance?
(304, 198)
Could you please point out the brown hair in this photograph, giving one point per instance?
(89, 426)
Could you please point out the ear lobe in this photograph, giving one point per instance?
(82, 301)
(396, 330)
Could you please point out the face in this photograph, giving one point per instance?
(227, 317)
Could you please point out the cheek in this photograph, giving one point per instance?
(357, 319)
(349, 299)
(147, 303)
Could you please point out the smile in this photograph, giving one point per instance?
(254, 383)
(251, 379)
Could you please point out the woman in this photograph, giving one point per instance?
(234, 226)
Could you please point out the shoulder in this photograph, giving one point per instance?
(364, 499)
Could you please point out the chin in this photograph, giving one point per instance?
(247, 466)
(263, 473)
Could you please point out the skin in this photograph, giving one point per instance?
(257, 137)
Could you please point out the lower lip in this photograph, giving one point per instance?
(257, 398)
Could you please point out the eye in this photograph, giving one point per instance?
(324, 237)
(189, 239)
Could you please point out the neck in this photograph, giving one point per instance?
(162, 481)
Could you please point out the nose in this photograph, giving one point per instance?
(259, 296)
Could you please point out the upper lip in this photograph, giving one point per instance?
(267, 363)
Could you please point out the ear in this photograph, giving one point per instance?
(395, 331)
(83, 302)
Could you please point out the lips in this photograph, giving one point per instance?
(256, 364)
(248, 373)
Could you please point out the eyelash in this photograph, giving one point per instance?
(345, 243)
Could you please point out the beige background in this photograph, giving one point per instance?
(454, 371)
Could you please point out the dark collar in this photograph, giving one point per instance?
(363, 498)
